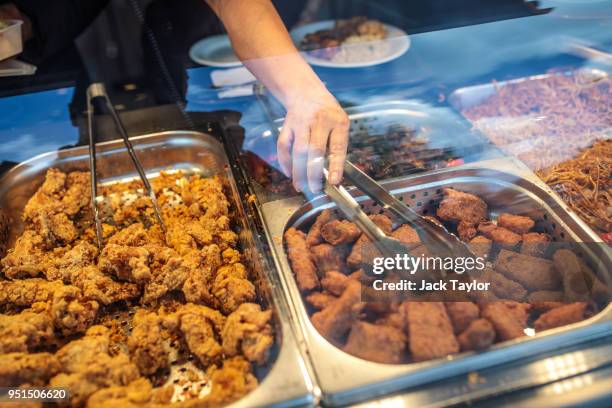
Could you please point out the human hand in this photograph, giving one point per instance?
(316, 126)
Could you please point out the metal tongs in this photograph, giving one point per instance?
(436, 238)
(95, 91)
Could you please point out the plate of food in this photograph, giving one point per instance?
(351, 43)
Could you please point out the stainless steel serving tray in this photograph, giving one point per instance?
(442, 126)
(470, 96)
(287, 381)
(506, 186)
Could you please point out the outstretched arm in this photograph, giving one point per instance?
(314, 119)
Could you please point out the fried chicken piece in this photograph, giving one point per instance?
(328, 258)
(76, 267)
(60, 193)
(334, 321)
(229, 383)
(381, 344)
(574, 282)
(516, 223)
(481, 246)
(508, 318)
(314, 236)
(458, 206)
(335, 282)
(501, 286)
(320, 300)
(563, 315)
(72, 313)
(461, 314)
(199, 326)
(406, 235)
(393, 319)
(337, 232)
(545, 300)
(138, 393)
(87, 366)
(135, 235)
(170, 272)
(479, 335)
(26, 259)
(34, 369)
(56, 229)
(364, 251)
(26, 330)
(247, 331)
(535, 243)
(486, 227)
(203, 265)
(127, 263)
(531, 272)
(466, 231)
(232, 287)
(146, 343)
(27, 291)
(504, 237)
(430, 331)
(301, 261)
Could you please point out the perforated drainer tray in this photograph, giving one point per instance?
(344, 378)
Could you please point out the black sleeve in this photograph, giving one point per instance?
(56, 23)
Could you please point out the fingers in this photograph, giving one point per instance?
(338, 143)
(319, 134)
(283, 147)
(300, 158)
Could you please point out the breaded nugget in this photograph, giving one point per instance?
(563, 315)
(334, 321)
(320, 300)
(544, 300)
(328, 258)
(501, 286)
(335, 282)
(508, 318)
(481, 246)
(301, 262)
(515, 223)
(406, 235)
(466, 231)
(382, 344)
(364, 251)
(477, 336)
(314, 234)
(531, 272)
(461, 314)
(574, 282)
(458, 206)
(430, 331)
(535, 243)
(505, 237)
(338, 232)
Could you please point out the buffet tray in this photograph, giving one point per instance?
(505, 185)
(445, 129)
(285, 380)
(473, 95)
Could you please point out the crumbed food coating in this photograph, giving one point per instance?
(458, 206)
(186, 282)
(374, 342)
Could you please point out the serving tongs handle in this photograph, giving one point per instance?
(435, 237)
(98, 91)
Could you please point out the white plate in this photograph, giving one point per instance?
(397, 41)
(215, 51)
